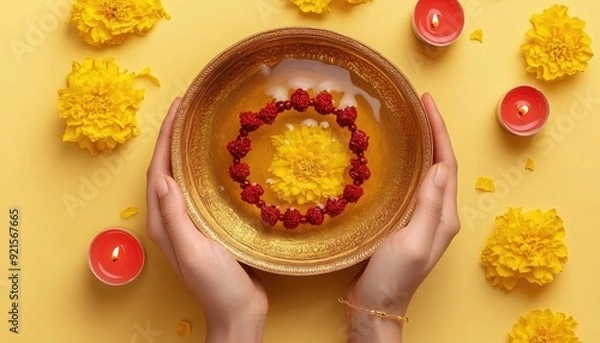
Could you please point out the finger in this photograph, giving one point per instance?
(162, 240)
(184, 236)
(449, 222)
(160, 164)
(443, 152)
(161, 160)
(424, 223)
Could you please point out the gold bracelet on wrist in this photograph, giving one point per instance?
(375, 313)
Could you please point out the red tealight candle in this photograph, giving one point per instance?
(438, 22)
(523, 110)
(116, 257)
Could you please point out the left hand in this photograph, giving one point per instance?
(233, 300)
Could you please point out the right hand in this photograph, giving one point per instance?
(406, 257)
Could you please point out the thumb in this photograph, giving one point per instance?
(174, 216)
(428, 212)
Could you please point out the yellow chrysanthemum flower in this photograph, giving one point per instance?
(108, 22)
(557, 46)
(315, 6)
(99, 105)
(541, 326)
(308, 165)
(526, 246)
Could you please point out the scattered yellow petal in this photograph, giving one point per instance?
(147, 74)
(485, 184)
(477, 35)
(357, 2)
(530, 164)
(183, 328)
(129, 212)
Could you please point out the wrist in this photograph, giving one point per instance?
(365, 328)
(238, 329)
(370, 328)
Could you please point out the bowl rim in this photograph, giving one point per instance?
(373, 56)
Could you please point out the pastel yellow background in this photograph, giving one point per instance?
(62, 302)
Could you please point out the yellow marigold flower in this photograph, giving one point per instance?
(99, 105)
(542, 326)
(525, 246)
(557, 46)
(316, 6)
(108, 22)
(308, 165)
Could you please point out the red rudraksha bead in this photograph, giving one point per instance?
(314, 216)
(251, 193)
(359, 142)
(239, 171)
(300, 100)
(291, 218)
(270, 214)
(360, 173)
(239, 147)
(335, 206)
(347, 116)
(268, 114)
(324, 103)
(352, 193)
(250, 121)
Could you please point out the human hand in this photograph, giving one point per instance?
(405, 258)
(233, 300)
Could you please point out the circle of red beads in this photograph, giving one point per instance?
(300, 100)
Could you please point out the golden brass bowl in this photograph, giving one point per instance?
(241, 79)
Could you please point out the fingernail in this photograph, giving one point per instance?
(161, 186)
(441, 175)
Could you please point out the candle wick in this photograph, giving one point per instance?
(523, 110)
(435, 21)
(115, 254)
